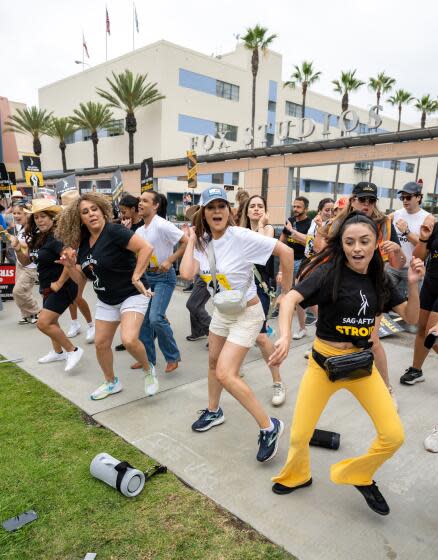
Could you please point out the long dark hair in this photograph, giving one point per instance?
(244, 220)
(202, 229)
(334, 254)
(35, 239)
(161, 200)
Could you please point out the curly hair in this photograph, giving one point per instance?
(34, 238)
(70, 229)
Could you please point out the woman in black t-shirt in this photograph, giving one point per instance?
(255, 217)
(348, 283)
(427, 247)
(114, 259)
(56, 287)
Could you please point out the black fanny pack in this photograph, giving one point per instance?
(350, 366)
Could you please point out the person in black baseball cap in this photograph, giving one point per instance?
(410, 188)
(364, 190)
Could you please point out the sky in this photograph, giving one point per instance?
(39, 41)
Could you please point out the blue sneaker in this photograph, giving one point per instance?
(208, 419)
(268, 441)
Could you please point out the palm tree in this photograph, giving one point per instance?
(129, 92)
(401, 97)
(93, 116)
(61, 128)
(427, 106)
(305, 76)
(256, 38)
(344, 86)
(30, 120)
(381, 84)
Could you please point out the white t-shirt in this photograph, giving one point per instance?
(163, 236)
(20, 237)
(414, 222)
(236, 252)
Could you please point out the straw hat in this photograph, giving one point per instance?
(42, 205)
(69, 196)
(17, 193)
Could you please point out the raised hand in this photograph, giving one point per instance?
(416, 270)
(281, 351)
(426, 227)
(68, 258)
(189, 231)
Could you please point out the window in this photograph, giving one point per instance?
(265, 181)
(362, 128)
(272, 106)
(410, 167)
(395, 164)
(217, 178)
(287, 141)
(235, 178)
(229, 129)
(227, 91)
(117, 129)
(293, 109)
(195, 125)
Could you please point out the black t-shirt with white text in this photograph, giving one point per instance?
(109, 264)
(48, 270)
(432, 247)
(351, 318)
(302, 227)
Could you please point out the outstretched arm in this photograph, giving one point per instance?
(287, 308)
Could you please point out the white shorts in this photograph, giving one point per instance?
(241, 329)
(112, 313)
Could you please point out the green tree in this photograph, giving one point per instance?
(381, 84)
(93, 116)
(426, 105)
(129, 92)
(401, 97)
(60, 129)
(255, 39)
(30, 120)
(305, 76)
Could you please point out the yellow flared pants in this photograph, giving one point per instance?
(314, 392)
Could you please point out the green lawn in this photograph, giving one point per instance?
(46, 446)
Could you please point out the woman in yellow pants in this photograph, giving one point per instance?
(348, 283)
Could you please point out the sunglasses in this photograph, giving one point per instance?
(19, 203)
(367, 199)
(407, 196)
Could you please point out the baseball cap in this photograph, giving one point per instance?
(212, 193)
(17, 193)
(365, 189)
(411, 188)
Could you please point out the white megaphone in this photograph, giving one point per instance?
(118, 474)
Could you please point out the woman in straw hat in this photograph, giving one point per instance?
(57, 288)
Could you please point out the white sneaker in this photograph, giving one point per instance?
(394, 398)
(279, 394)
(73, 358)
(151, 384)
(431, 442)
(91, 333)
(53, 356)
(108, 388)
(74, 329)
(300, 334)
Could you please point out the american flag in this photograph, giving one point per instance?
(84, 44)
(108, 30)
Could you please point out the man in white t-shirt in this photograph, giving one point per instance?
(407, 222)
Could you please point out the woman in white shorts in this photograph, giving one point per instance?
(114, 259)
(235, 250)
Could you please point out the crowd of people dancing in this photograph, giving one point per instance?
(342, 270)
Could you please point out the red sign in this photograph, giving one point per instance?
(7, 274)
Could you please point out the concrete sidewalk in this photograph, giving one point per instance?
(325, 521)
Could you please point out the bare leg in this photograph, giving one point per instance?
(267, 348)
(105, 331)
(82, 304)
(48, 324)
(426, 321)
(379, 353)
(227, 374)
(130, 325)
(215, 345)
(73, 308)
(301, 314)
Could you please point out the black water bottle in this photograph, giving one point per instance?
(323, 438)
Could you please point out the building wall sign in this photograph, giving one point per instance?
(301, 128)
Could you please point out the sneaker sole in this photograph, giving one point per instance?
(274, 453)
(419, 380)
(282, 490)
(106, 395)
(217, 422)
(52, 361)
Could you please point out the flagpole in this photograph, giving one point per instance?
(83, 52)
(106, 34)
(133, 23)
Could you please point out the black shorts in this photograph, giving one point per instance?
(264, 300)
(429, 294)
(58, 302)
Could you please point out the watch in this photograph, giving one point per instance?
(407, 231)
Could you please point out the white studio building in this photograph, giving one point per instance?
(207, 106)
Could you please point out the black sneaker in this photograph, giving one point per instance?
(374, 498)
(268, 441)
(281, 489)
(119, 348)
(188, 288)
(411, 376)
(192, 338)
(208, 419)
(23, 321)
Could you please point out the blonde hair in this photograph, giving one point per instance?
(70, 229)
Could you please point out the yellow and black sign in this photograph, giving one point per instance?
(5, 180)
(32, 171)
(192, 169)
(147, 175)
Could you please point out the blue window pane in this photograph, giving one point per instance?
(195, 125)
(196, 81)
(272, 96)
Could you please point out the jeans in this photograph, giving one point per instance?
(199, 318)
(155, 322)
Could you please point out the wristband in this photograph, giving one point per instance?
(423, 240)
(407, 231)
